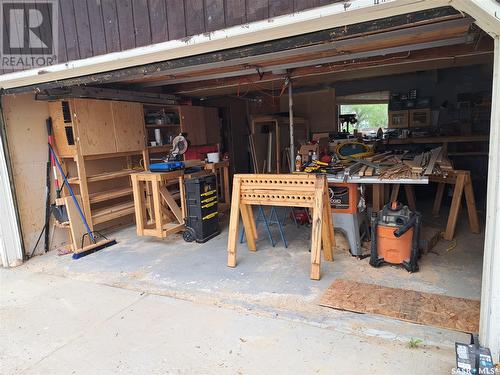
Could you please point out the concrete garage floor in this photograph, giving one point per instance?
(267, 297)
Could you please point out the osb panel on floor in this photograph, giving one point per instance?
(459, 314)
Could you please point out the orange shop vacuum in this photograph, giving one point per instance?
(395, 234)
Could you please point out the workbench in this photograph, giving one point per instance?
(461, 181)
(156, 210)
(379, 188)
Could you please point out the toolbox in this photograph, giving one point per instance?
(202, 216)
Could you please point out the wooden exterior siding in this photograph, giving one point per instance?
(96, 27)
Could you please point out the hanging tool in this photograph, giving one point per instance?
(96, 245)
(45, 228)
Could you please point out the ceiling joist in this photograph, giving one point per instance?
(419, 37)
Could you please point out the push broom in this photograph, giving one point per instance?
(95, 245)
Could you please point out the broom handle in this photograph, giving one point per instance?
(89, 231)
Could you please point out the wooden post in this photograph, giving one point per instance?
(395, 193)
(252, 221)
(328, 236)
(471, 204)
(227, 193)
(290, 114)
(182, 192)
(377, 197)
(455, 207)
(248, 226)
(157, 207)
(317, 227)
(234, 219)
(139, 204)
(439, 198)
(410, 197)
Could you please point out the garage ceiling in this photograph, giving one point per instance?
(434, 44)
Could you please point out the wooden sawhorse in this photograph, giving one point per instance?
(293, 190)
(463, 184)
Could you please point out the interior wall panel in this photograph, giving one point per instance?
(27, 138)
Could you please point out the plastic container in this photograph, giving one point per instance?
(213, 157)
(393, 249)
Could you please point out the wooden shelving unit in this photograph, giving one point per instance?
(106, 195)
(110, 175)
(103, 215)
(201, 124)
(99, 143)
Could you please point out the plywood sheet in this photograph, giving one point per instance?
(128, 121)
(458, 314)
(95, 126)
(193, 123)
(58, 125)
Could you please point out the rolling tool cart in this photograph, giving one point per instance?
(395, 236)
(202, 217)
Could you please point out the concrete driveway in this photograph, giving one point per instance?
(57, 325)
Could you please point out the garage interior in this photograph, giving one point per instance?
(435, 64)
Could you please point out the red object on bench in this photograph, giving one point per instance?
(200, 152)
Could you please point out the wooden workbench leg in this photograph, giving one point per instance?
(227, 194)
(471, 204)
(182, 193)
(139, 205)
(377, 197)
(328, 236)
(330, 217)
(317, 226)
(234, 219)
(249, 227)
(438, 199)
(395, 192)
(252, 222)
(410, 197)
(326, 240)
(455, 207)
(157, 207)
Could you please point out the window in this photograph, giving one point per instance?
(369, 116)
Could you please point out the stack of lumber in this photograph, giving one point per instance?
(390, 166)
(398, 171)
(433, 162)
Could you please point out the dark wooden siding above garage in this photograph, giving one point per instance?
(95, 27)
